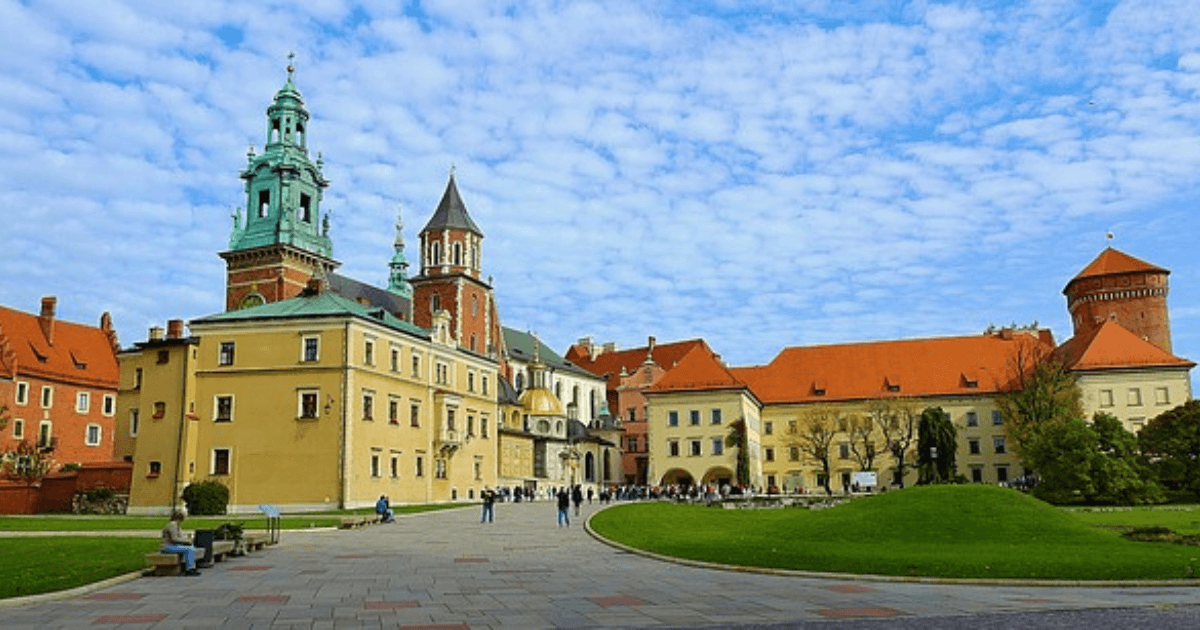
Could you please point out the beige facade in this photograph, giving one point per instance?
(687, 433)
(329, 411)
(1136, 395)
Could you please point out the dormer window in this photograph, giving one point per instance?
(892, 382)
(264, 202)
(970, 380)
(819, 387)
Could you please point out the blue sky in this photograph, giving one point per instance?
(756, 174)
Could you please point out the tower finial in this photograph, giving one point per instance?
(1110, 238)
(400, 226)
(452, 169)
(290, 67)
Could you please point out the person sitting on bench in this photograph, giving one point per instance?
(175, 542)
(384, 509)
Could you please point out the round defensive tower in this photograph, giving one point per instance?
(1122, 288)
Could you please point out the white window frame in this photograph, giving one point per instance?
(45, 429)
(695, 447)
(396, 357)
(376, 463)
(367, 395)
(394, 464)
(221, 355)
(212, 461)
(109, 405)
(1162, 395)
(673, 448)
(47, 397)
(304, 339)
(22, 393)
(18, 432)
(83, 402)
(87, 434)
(134, 420)
(369, 351)
(1134, 397)
(217, 408)
(718, 446)
(1106, 398)
(308, 391)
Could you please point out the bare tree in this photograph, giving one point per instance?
(897, 419)
(813, 434)
(862, 440)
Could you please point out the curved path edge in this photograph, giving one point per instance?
(872, 577)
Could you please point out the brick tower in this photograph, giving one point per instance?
(282, 241)
(451, 257)
(1122, 288)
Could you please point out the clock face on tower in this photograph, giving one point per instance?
(254, 299)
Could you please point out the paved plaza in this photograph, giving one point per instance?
(447, 570)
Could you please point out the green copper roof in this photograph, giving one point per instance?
(324, 304)
(520, 346)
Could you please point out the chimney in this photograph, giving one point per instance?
(156, 333)
(46, 319)
(610, 347)
(650, 342)
(175, 329)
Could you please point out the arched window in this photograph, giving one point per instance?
(520, 382)
(607, 466)
(274, 131)
(473, 342)
(300, 134)
(589, 467)
(435, 253)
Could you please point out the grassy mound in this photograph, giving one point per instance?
(944, 531)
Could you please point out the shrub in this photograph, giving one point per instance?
(206, 498)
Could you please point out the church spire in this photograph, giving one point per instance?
(398, 278)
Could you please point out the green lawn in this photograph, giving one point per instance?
(1183, 519)
(94, 523)
(942, 531)
(39, 565)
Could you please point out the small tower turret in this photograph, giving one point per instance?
(398, 277)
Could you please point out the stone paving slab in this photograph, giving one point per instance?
(444, 569)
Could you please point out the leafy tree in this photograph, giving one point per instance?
(938, 445)
(737, 439)
(897, 421)
(26, 462)
(1042, 393)
(814, 433)
(1172, 443)
(3, 417)
(1120, 474)
(1096, 463)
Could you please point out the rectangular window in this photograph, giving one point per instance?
(420, 469)
(1106, 398)
(47, 396)
(977, 475)
(844, 451)
(1002, 474)
(791, 427)
(160, 410)
(393, 411)
(311, 349)
(307, 404)
(484, 383)
(484, 421)
(769, 454)
(997, 418)
(164, 357)
(224, 409)
(368, 405)
(225, 356)
(416, 365)
(18, 429)
(155, 469)
(83, 402)
(374, 464)
(1135, 397)
(973, 446)
(395, 360)
(716, 416)
(470, 425)
(633, 443)
(220, 461)
(672, 418)
(439, 468)
(45, 434)
(450, 419)
(972, 419)
(110, 405)
(632, 414)
(137, 378)
(133, 422)
(1162, 396)
(395, 466)
(694, 417)
(768, 428)
(369, 352)
(470, 381)
(92, 437)
(998, 444)
(718, 446)
(794, 453)
(673, 448)
(22, 393)
(414, 415)
(695, 447)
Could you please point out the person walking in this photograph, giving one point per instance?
(489, 506)
(564, 505)
(175, 542)
(577, 497)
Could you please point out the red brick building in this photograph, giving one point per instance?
(59, 382)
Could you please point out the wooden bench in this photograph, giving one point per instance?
(354, 522)
(165, 563)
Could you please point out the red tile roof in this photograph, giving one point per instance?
(609, 364)
(697, 371)
(80, 354)
(947, 366)
(1112, 261)
(1112, 346)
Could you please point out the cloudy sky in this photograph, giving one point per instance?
(757, 174)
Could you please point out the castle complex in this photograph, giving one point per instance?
(314, 391)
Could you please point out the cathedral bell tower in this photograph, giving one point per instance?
(282, 239)
(451, 255)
